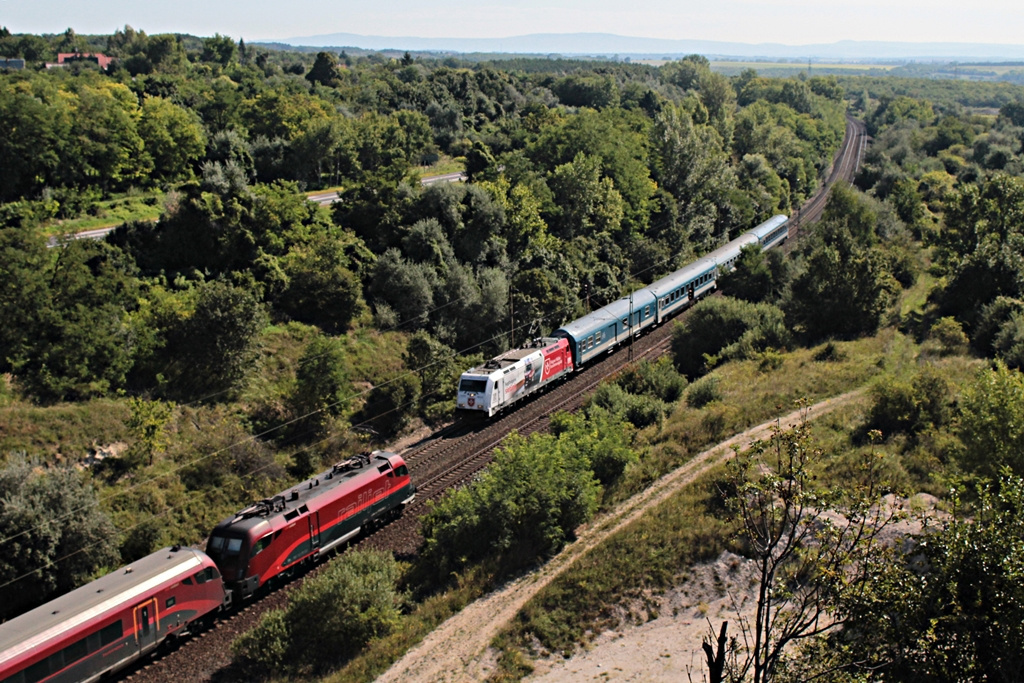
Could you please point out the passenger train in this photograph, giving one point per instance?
(113, 621)
(497, 385)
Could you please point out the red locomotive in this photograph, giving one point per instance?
(109, 623)
(276, 534)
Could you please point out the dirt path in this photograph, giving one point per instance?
(457, 651)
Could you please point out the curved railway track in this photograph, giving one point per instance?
(456, 454)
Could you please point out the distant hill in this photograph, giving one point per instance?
(606, 44)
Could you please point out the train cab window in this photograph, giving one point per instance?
(261, 545)
(208, 574)
(402, 471)
(233, 547)
(216, 544)
(383, 468)
(474, 385)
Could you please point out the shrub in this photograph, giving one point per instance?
(703, 392)
(949, 336)
(526, 505)
(830, 353)
(722, 328)
(658, 379)
(329, 619)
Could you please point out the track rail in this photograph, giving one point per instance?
(458, 453)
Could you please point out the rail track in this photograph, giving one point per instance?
(455, 455)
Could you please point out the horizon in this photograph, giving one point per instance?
(785, 22)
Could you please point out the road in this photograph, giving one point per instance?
(321, 198)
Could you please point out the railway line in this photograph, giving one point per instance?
(455, 455)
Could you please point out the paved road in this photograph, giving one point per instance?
(321, 198)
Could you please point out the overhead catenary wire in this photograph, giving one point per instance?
(529, 324)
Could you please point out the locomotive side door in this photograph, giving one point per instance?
(314, 530)
(147, 626)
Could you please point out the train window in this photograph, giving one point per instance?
(188, 581)
(383, 468)
(38, 671)
(647, 311)
(402, 471)
(216, 544)
(625, 323)
(208, 574)
(476, 385)
(111, 634)
(171, 602)
(261, 545)
(597, 338)
(76, 650)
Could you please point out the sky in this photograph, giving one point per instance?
(790, 22)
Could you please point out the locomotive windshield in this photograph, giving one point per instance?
(224, 546)
(474, 385)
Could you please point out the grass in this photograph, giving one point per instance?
(624, 572)
(132, 206)
(381, 653)
(627, 569)
(443, 166)
(62, 433)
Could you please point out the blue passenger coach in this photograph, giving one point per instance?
(609, 326)
(772, 232)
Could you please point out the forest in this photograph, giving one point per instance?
(230, 336)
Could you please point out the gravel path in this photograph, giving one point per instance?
(458, 650)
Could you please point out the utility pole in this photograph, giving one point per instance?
(511, 317)
(631, 327)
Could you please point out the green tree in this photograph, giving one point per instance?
(587, 203)
(330, 618)
(844, 291)
(951, 609)
(325, 70)
(173, 138)
(693, 166)
(219, 49)
(815, 548)
(321, 289)
(209, 352)
(991, 423)
(322, 389)
(526, 505)
(439, 369)
(54, 535)
(81, 341)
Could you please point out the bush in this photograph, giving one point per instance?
(949, 336)
(910, 407)
(703, 392)
(329, 619)
(526, 505)
(722, 328)
(830, 353)
(659, 379)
